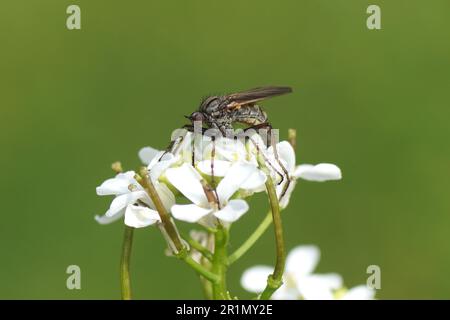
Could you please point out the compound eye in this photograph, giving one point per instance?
(197, 116)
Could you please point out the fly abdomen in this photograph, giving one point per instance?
(250, 115)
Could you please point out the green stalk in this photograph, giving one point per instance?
(168, 225)
(206, 285)
(202, 271)
(264, 225)
(125, 263)
(275, 280)
(199, 247)
(220, 264)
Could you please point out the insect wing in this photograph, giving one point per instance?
(254, 95)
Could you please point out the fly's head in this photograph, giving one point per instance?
(210, 105)
(197, 116)
(206, 112)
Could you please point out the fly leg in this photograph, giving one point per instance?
(190, 128)
(270, 141)
(213, 153)
(261, 126)
(213, 182)
(173, 145)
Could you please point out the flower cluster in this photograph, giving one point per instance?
(206, 181)
(301, 283)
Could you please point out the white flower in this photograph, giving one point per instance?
(132, 201)
(157, 161)
(227, 152)
(360, 292)
(299, 281)
(286, 155)
(188, 181)
(229, 149)
(175, 168)
(233, 164)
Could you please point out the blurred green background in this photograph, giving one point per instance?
(374, 102)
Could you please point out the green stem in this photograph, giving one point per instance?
(259, 231)
(197, 246)
(125, 263)
(168, 224)
(211, 276)
(207, 288)
(220, 263)
(275, 280)
(207, 285)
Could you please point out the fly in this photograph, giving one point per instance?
(222, 112)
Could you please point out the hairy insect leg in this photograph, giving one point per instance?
(277, 158)
(272, 143)
(261, 126)
(269, 163)
(213, 179)
(213, 153)
(193, 153)
(191, 128)
(173, 145)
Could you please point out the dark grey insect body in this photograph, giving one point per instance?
(252, 115)
(221, 112)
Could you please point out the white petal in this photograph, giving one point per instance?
(361, 292)
(220, 167)
(255, 182)
(320, 172)
(284, 201)
(255, 278)
(181, 139)
(166, 196)
(319, 286)
(189, 212)
(285, 153)
(229, 149)
(147, 154)
(107, 220)
(117, 185)
(233, 180)
(256, 144)
(232, 211)
(302, 260)
(187, 181)
(199, 145)
(286, 293)
(120, 202)
(160, 164)
(140, 217)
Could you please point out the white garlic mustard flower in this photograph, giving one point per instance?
(299, 281)
(188, 181)
(132, 201)
(230, 163)
(286, 155)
